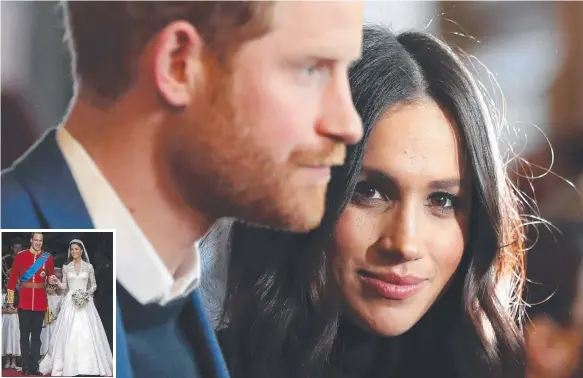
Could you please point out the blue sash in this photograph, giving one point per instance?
(30, 272)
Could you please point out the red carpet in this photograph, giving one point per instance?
(14, 373)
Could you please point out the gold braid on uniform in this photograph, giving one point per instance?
(47, 319)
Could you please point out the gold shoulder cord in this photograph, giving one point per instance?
(11, 292)
(47, 318)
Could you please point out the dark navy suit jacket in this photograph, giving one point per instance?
(39, 192)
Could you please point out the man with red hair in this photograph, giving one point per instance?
(187, 112)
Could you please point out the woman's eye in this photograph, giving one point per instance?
(443, 200)
(365, 191)
(444, 204)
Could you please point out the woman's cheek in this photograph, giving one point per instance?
(352, 234)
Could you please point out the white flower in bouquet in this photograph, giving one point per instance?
(80, 298)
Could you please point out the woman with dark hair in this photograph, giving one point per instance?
(78, 345)
(417, 265)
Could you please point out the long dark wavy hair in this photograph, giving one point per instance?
(281, 315)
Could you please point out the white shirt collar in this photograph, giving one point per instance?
(139, 268)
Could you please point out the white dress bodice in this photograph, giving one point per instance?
(77, 281)
(78, 344)
(84, 280)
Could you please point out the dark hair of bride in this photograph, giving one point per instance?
(281, 315)
(77, 244)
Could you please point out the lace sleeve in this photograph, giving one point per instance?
(64, 284)
(92, 282)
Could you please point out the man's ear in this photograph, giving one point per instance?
(546, 347)
(177, 62)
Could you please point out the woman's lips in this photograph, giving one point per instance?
(391, 285)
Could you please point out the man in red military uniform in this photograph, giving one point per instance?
(28, 276)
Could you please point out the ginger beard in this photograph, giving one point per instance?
(229, 161)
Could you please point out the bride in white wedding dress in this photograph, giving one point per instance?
(78, 344)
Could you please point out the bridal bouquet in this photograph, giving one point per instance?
(80, 298)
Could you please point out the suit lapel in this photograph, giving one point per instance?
(47, 178)
(201, 334)
(122, 358)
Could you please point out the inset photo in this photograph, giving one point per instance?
(58, 303)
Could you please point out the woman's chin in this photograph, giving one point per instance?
(393, 330)
(388, 324)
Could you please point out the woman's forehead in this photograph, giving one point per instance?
(416, 140)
